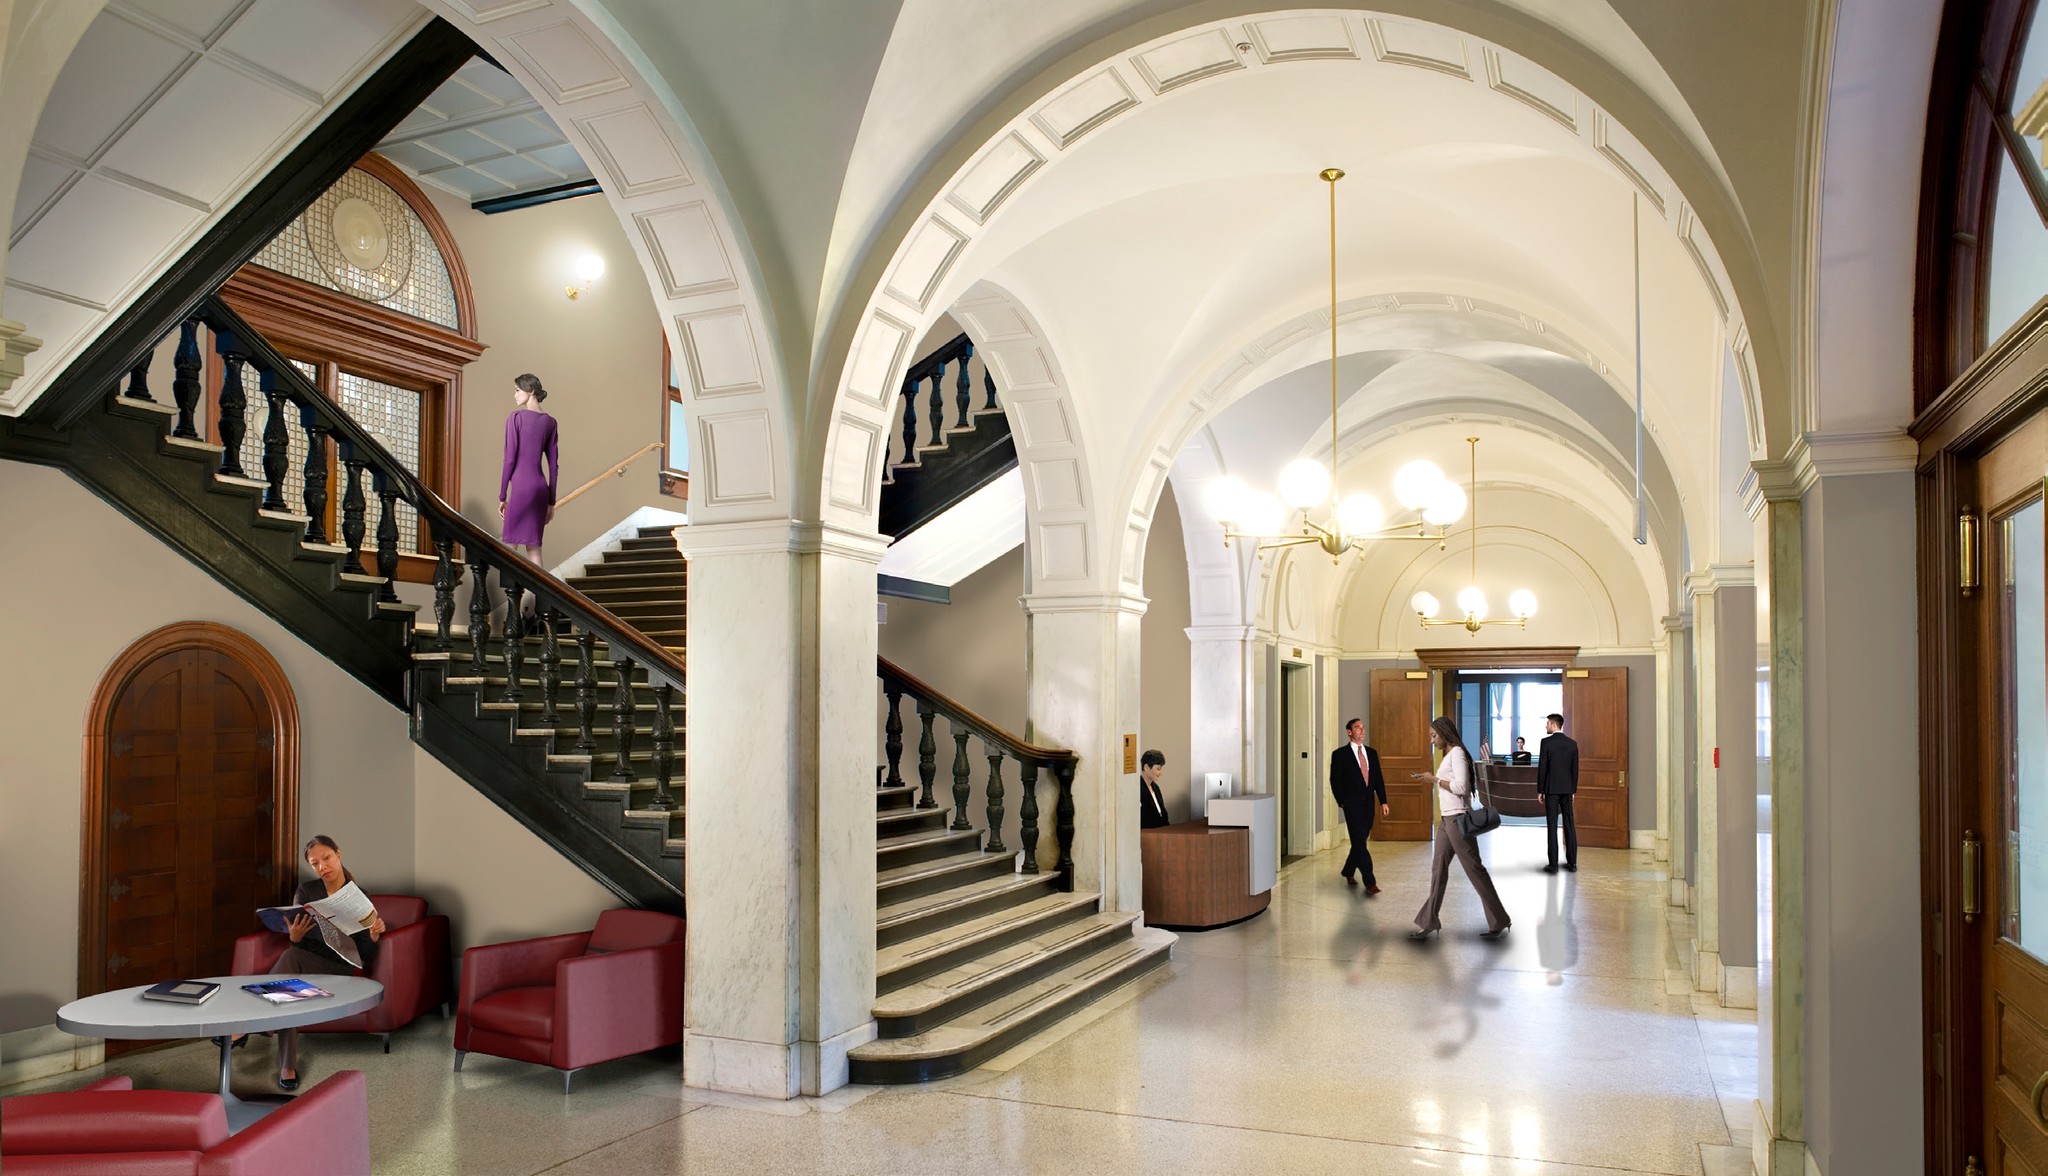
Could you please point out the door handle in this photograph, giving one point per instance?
(2034, 1099)
(1972, 884)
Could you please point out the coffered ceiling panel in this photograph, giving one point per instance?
(481, 136)
(164, 116)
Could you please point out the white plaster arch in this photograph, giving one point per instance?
(869, 350)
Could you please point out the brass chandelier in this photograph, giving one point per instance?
(1306, 485)
(1471, 599)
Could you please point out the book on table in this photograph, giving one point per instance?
(338, 916)
(287, 991)
(181, 991)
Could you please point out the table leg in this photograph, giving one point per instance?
(227, 1045)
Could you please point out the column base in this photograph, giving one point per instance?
(1706, 972)
(1661, 851)
(764, 1069)
(1738, 987)
(825, 1065)
(1681, 894)
(1771, 1156)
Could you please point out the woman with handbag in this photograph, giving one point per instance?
(1457, 833)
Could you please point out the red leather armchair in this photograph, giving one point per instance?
(412, 965)
(111, 1129)
(571, 1001)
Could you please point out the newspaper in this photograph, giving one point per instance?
(338, 916)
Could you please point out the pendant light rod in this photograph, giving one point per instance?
(1635, 217)
(1473, 443)
(1330, 176)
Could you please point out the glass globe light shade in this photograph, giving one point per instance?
(1424, 603)
(1522, 603)
(1226, 499)
(1265, 515)
(1446, 505)
(1415, 482)
(1360, 514)
(590, 267)
(1472, 602)
(1304, 483)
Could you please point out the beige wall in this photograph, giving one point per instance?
(1163, 713)
(972, 649)
(88, 583)
(599, 356)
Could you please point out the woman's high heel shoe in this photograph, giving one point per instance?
(287, 1084)
(1422, 934)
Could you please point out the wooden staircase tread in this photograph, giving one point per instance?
(670, 815)
(897, 816)
(895, 914)
(397, 606)
(239, 480)
(285, 516)
(911, 952)
(168, 411)
(362, 578)
(195, 445)
(989, 971)
(325, 548)
(924, 837)
(618, 787)
(1080, 982)
(523, 706)
(897, 791)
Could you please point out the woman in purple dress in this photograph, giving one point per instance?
(526, 497)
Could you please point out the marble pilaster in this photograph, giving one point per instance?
(780, 873)
(1082, 693)
(1666, 719)
(1724, 893)
(1679, 758)
(1219, 697)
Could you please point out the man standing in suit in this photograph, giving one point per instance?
(1356, 782)
(1557, 779)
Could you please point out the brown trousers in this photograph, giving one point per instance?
(1451, 841)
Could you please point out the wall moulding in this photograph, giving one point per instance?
(1540, 657)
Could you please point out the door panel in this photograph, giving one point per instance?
(1399, 731)
(1596, 715)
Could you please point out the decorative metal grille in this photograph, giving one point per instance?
(392, 415)
(411, 277)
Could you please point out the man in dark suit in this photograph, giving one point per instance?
(1557, 779)
(1356, 782)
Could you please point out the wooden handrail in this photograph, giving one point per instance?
(952, 708)
(617, 469)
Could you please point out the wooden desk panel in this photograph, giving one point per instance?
(1197, 877)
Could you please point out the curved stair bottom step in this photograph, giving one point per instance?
(982, 1033)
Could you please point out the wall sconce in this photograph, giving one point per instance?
(589, 268)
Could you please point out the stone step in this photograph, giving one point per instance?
(901, 882)
(889, 822)
(667, 533)
(926, 955)
(641, 556)
(661, 542)
(602, 588)
(924, 845)
(610, 566)
(983, 1032)
(900, 797)
(996, 972)
(610, 593)
(912, 917)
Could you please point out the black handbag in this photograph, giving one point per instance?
(1479, 816)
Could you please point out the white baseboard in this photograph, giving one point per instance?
(1738, 987)
(764, 1069)
(45, 1051)
(1642, 839)
(1326, 839)
(1707, 971)
(1680, 893)
(825, 1063)
(1662, 849)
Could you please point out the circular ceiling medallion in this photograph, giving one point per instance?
(358, 233)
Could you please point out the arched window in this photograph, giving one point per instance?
(367, 294)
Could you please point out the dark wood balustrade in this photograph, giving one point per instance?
(997, 745)
(944, 446)
(926, 381)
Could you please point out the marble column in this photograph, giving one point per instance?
(1778, 1147)
(1081, 692)
(1724, 883)
(780, 869)
(1667, 719)
(1219, 699)
(1678, 757)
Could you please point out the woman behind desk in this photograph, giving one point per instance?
(1151, 801)
(309, 954)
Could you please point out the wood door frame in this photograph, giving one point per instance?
(1499, 657)
(284, 727)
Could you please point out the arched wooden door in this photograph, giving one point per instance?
(191, 805)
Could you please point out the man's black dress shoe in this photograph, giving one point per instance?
(1572, 866)
(1550, 869)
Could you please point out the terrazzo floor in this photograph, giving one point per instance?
(1313, 1038)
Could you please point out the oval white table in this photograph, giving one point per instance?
(124, 1015)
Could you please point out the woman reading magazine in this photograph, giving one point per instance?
(309, 954)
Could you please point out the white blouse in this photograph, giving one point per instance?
(1453, 782)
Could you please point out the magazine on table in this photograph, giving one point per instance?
(338, 916)
(286, 991)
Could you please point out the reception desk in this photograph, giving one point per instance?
(1199, 876)
(1513, 790)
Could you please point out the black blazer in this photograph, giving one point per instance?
(1348, 785)
(1151, 807)
(1557, 767)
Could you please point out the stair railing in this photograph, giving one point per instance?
(456, 539)
(930, 431)
(997, 745)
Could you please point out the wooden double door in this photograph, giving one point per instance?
(1596, 715)
(190, 806)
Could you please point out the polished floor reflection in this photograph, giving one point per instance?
(1313, 1038)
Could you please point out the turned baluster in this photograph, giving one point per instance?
(479, 612)
(1027, 814)
(988, 381)
(277, 443)
(909, 420)
(960, 788)
(234, 405)
(352, 510)
(185, 386)
(995, 800)
(515, 638)
(387, 538)
(927, 757)
(622, 720)
(550, 669)
(938, 407)
(664, 750)
(586, 692)
(138, 379)
(963, 390)
(1063, 822)
(893, 743)
(316, 474)
(444, 589)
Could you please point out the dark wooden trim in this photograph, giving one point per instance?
(2004, 385)
(895, 675)
(284, 727)
(394, 178)
(1505, 657)
(294, 313)
(904, 589)
(324, 156)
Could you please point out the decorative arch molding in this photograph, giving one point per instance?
(701, 267)
(870, 350)
(284, 728)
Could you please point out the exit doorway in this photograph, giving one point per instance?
(1299, 787)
